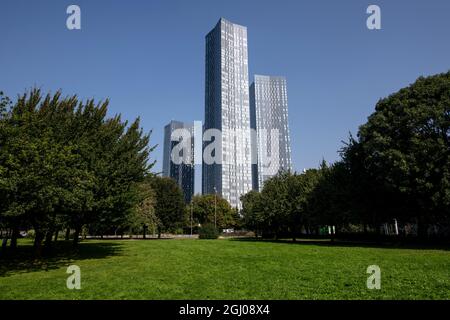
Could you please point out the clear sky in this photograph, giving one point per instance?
(148, 57)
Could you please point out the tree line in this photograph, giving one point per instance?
(66, 165)
(397, 167)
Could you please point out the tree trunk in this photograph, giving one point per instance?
(48, 240)
(38, 243)
(56, 235)
(4, 243)
(67, 238)
(144, 229)
(14, 236)
(294, 233)
(422, 229)
(76, 237)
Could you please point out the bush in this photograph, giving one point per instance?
(31, 234)
(178, 231)
(208, 231)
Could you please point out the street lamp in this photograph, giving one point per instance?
(215, 208)
(191, 216)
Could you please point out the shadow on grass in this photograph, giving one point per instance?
(353, 243)
(22, 261)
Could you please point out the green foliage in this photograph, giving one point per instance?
(143, 216)
(252, 210)
(208, 231)
(64, 163)
(401, 159)
(213, 209)
(169, 207)
(283, 205)
(398, 168)
(330, 200)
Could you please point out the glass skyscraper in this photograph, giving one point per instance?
(182, 169)
(227, 109)
(269, 117)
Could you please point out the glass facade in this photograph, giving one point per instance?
(227, 109)
(182, 170)
(269, 117)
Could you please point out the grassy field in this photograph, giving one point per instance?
(228, 269)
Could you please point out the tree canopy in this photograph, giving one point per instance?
(398, 167)
(63, 162)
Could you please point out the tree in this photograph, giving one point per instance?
(302, 186)
(404, 152)
(63, 162)
(169, 208)
(330, 199)
(252, 211)
(145, 216)
(215, 210)
(283, 206)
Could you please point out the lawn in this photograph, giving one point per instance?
(229, 269)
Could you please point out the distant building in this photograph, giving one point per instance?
(269, 111)
(227, 109)
(183, 172)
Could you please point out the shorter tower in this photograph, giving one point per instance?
(269, 118)
(178, 157)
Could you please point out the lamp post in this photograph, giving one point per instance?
(396, 227)
(215, 208)
(191, 216)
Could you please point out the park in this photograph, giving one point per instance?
(71, 178)
(227, 269)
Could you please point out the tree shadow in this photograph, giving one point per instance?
(353, 243)
(62, 254)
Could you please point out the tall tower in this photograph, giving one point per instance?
(181, 168)
(227, 109)
(269, 117)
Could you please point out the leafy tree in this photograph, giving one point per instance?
(63, 162)
(208, 231)
(170, 206)
(404, 151)
(144, 213)
(215, 210)
(330, 201)
(283, 206)
(252, 211)
(302, 186)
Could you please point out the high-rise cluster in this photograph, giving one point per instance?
(247, 126)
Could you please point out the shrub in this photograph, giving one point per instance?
(208, 231)
(31, 234)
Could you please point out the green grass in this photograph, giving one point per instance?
(228, 269)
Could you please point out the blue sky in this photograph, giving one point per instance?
(148, 57)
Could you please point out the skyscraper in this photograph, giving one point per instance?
(269, 117)
(227, 109)
(178, 162)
